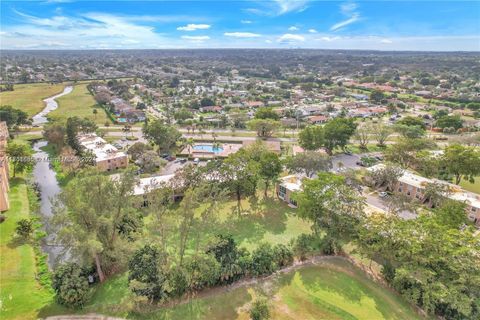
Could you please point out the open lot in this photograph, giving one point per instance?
(79, 103)
(28, 97)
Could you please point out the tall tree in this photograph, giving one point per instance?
(13, 117)
(331, 206)
(55, 134)
(462, 162)
(264, 127)
(337, 133)
(309, 163)
(163, 135)
(239, 173)
(311, 138)
(20, 155)
(270, 168)
(88, 217)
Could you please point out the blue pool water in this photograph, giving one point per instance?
(208, 148)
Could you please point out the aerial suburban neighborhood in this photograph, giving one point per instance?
(323, 172)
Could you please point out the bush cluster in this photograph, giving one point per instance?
(152, 278)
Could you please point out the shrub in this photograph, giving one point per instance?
(146, 278)
(330, 246)
(24, 228)
(283, 255)
(202, 271)
(230, 258)
(263, 260)
(177, 281)
(70, 286)
(259, 310)
(301, 246)
(388, 272)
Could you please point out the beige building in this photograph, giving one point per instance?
(287, 186)
(414, 186)
(107, 157)
(4, 176)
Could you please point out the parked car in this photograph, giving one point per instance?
(182, 160)
(170, 158)
(348, 152)
(383, 194)
(196, 161)
(360, 163)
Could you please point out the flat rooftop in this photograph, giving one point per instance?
(99, 147)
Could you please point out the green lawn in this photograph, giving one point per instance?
(28, 97)
(79, 103)
(21, 296)
(331, 289)
(472, 187)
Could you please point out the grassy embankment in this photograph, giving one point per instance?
(21, 295)
(332, 289)
(29, 97)
(79, 103)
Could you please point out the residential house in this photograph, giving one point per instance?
(311, 111)
(254, 104)
(106, 156)
(317, 119)
(211, 109)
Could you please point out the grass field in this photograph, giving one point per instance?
(472, 187)
(21, 297)
(79, 103)
(331, 289)
(28, 97)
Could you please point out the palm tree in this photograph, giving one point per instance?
(95, 113)
(190, 143)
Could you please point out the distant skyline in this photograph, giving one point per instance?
(362, 25)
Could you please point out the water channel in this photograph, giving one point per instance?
(45, 178)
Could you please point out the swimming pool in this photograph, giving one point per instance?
(207, 148)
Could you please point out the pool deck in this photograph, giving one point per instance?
(228, 149)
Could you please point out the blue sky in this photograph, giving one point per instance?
(378, 25)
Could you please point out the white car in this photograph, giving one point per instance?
(196, 161)
(383, 194)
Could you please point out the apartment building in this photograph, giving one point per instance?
(414, 186)
(287, 186)
(107, 157)
(4, 185)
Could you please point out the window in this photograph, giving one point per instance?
(282, 192)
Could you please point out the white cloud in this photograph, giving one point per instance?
(329, 39)
(285, 6)
(355, 17)
(288, 37)
(386, 41)
(293, 28)
(268, 41)
(347, 9)
(312, 31)
(277, 7)
(196, 38)
(246, 21)
(242, 34)
(193, 27)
